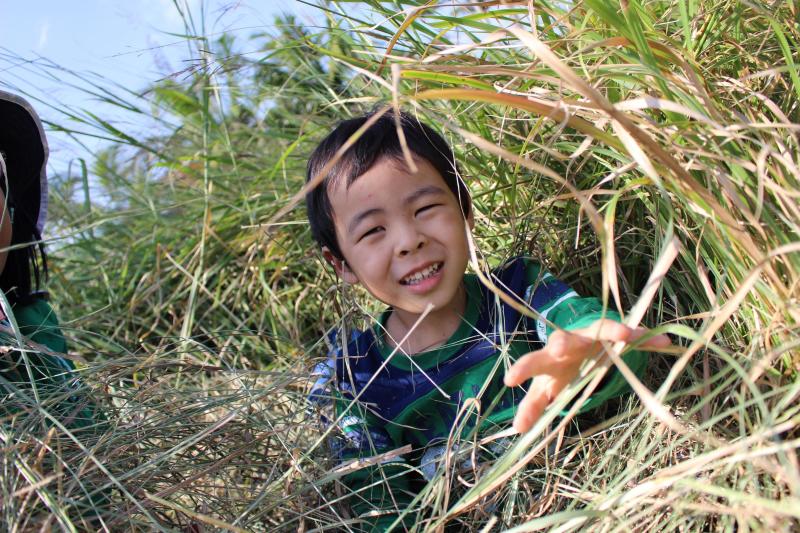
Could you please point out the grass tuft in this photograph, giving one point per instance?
(598, 137)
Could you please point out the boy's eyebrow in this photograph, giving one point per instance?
(422, 191)
(411, 198)
(361, 216)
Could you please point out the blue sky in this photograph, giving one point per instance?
(127, 42)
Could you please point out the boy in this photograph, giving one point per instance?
(402, 234)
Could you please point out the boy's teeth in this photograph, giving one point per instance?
(422, 274)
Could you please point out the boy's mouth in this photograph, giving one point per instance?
(421, 275)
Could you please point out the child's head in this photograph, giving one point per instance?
(398, 232)
(23, 191)
(379, 142)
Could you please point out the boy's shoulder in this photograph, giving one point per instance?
(356, 364)
(353, 351)
(513, 276)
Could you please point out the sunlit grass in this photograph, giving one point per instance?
(590, 134)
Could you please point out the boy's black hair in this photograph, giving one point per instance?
(378, 142)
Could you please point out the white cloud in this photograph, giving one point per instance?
(44, 31)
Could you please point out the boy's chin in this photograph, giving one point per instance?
(417, 309)
(434, 302)
(410, 306)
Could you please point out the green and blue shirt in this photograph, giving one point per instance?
(383, 400)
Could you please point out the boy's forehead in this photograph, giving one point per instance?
(342, 182)
(396, 163)
(368, 181)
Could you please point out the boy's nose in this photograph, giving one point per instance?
(410, 240)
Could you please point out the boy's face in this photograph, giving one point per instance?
(402, 235)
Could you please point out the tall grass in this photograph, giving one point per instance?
(608, 140)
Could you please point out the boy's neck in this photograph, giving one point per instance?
(432, 331)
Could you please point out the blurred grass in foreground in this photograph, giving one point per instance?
(590, 134)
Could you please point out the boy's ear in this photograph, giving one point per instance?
(471, 219)
(340, 266)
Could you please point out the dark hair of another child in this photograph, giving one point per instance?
(26, 266)
(378, 142)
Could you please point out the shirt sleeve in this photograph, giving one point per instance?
(378, 492)
(560, 307)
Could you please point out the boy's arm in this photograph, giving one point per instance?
(571, 329)
(561, 308)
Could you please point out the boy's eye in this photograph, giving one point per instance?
(426, 208)
(371, 231)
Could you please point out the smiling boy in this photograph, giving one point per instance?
(403, 236)
(401, 233)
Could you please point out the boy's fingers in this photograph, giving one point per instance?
(607, 330)
(565, 346)
(610, 331)
(559, 343)
(532, 405)
(560, 348)
(534, 363)
(656, 342)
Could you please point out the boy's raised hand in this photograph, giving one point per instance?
(558, 363)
